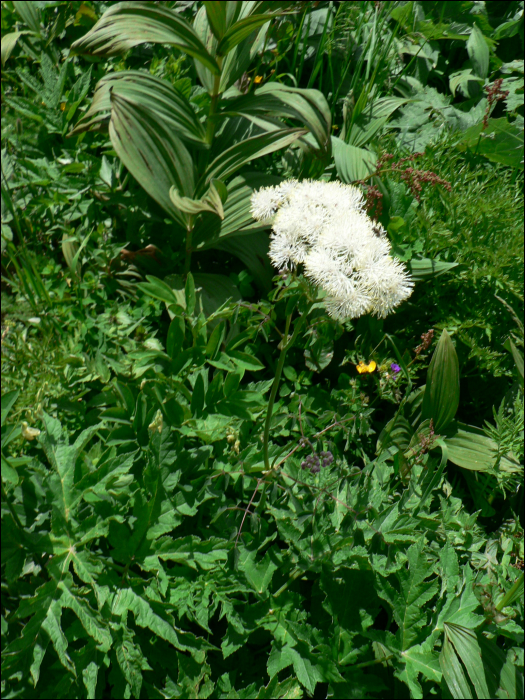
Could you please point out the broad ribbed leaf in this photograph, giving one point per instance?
(153, 154)
(468, 650)
(212, 200)
(240, 30)
(441, 398)
(211, 291)
(237, 61)
(275, 100)
(216, 13)
(453, 672)
(127, 24)
(9, 42)
(478, 52)
(244, 152)
(424, 268)
(470, 448)
(238, 220)
(156, 96)
(352, 163)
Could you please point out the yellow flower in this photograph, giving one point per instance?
(362, 368)
(258, 79)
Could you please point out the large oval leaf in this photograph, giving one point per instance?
(441, 398)
(152, 154)
(127, 24)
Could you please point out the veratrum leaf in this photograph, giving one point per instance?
(352, 163)
(151, 152)
(441, 397)
(425, 268)
(453, 672)
(467, 648)
(127, 24)
(156, 96)
(470, 448)
(309, 107)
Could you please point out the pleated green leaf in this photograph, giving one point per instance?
(155, 157)
(466, 645)
(245, 151)
(470, 448)
(241, 30)
(155, 96)
(127, 24)
(216, 13)
(453, 672)
(275, 100)
(352, 163)
(441, 397)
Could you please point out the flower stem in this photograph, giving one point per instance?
(280, 364)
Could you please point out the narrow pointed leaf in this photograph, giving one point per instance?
(441, 397)
(127, 24)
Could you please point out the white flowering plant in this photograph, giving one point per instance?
(323, 227)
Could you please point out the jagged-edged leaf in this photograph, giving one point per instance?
(245, 151)
(352, 163)
(151, 152)
(441, 397)
(276, 100)
(154, 95)
(127, 24)
(424, 268)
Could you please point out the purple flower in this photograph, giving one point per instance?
(395, 368)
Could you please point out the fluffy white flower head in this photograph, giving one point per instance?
(324, 226)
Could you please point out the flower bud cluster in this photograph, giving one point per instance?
(314, 463)
(324, 227)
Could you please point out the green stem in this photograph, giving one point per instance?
(210, 129)
(280, 364)
(187, 259)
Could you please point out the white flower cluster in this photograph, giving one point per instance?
(324, 226)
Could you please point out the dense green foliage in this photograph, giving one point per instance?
(201, 494)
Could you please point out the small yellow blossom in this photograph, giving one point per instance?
(363, 368)
(258, 79)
